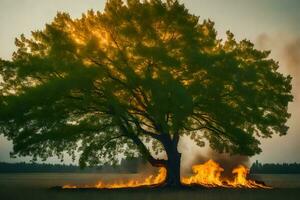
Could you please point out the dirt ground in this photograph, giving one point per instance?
(39, 187)
(149, 194)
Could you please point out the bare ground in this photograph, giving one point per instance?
(8, 193)
(39, 187)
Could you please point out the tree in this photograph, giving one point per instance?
(132, 80)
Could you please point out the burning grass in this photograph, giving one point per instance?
(148, 181)
(208, 174)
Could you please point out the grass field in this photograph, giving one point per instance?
(37, 187)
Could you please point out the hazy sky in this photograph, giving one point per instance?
(270, 24)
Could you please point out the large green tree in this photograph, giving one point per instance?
(132, 80)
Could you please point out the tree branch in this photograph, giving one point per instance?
(141, 146)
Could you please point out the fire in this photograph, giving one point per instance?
(150, 180)
(209, 175)
(240, 179)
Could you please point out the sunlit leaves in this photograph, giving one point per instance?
(115, 83)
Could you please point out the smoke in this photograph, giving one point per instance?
(291, 56)
(193, 154)
(286, 50)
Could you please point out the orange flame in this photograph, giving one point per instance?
(207, 174)
(150, 180)
(240, 179)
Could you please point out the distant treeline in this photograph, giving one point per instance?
(131, 166)
(126, 166)
(271, 168)
(36, 167)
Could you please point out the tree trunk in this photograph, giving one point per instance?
(173, 162)
(173, 170)
(172, 165)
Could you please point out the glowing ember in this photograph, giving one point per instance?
(150, 180)
(209, 175)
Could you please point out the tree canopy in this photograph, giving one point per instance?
(132, 80)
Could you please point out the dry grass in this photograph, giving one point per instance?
(36, 187)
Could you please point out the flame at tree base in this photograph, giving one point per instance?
(207, 175)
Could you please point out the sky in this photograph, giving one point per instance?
(270, 24)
